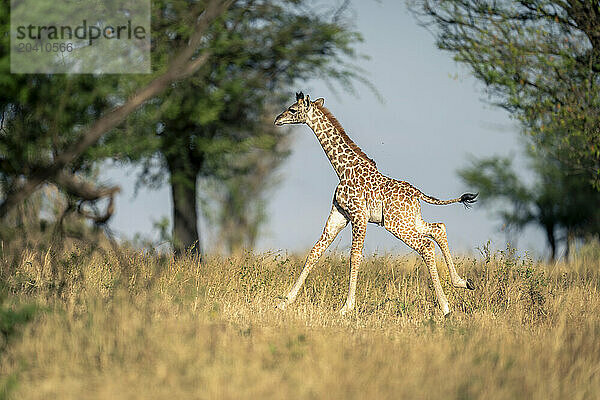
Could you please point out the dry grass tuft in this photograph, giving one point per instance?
(148, 327)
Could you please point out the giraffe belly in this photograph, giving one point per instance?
(376, 213)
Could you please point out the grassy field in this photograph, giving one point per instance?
(137, 326)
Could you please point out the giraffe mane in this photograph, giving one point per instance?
(344, 135)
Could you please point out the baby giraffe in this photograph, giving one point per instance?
(365, 195)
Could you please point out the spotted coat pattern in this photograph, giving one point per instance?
(365, 195)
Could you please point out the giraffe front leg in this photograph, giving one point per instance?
(335, 223)
(359, 229)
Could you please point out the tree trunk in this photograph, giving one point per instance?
(185, 217)
(569, 244)
(551, 241)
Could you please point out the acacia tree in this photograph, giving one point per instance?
(239, 201)
(211, 125)
(44, 142)
(40, 116)
(539, 59)
(564, 207)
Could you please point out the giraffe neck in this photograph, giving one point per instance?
(342, 152)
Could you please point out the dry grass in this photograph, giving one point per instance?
(155, 329)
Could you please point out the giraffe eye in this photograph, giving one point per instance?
(293, 110)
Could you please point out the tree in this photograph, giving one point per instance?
(212, 125)
(40, 116)
(539, 59)
(565, 207)
(240, 200)
(43, 143)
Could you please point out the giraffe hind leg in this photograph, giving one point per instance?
(426, 249)
(437, 231)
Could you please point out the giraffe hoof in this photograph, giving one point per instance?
(448, 315)
(345, 311)
(281, 305)
(470, 284)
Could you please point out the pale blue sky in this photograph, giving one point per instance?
(433, 117)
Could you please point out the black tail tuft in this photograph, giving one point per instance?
(468, 199)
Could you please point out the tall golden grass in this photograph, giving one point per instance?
(138, 326)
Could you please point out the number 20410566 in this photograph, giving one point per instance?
(45, 47)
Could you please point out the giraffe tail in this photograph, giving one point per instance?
(467, 199)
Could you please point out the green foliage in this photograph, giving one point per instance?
(11, 319)
(258, 51)
(559, 203)
(41, 116)
(540, 60)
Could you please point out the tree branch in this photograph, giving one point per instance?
(82, 189)
(87, 192)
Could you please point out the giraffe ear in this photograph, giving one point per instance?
(320, 102)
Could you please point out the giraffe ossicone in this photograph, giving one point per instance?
(365, 195)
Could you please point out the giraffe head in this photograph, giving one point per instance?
(298, 112)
